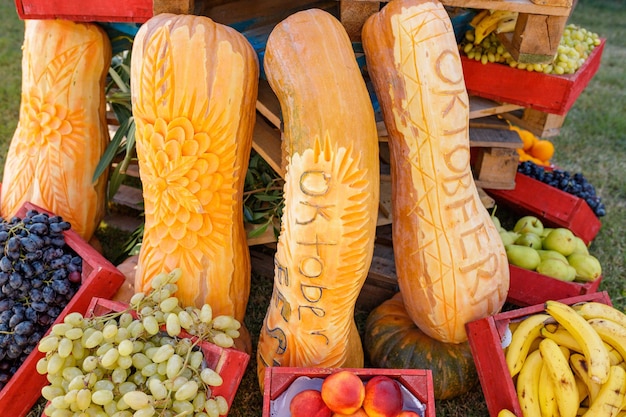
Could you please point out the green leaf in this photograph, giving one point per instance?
(112, 150)
(258, 231)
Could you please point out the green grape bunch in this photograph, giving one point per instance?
(574, 48)
(139, 362)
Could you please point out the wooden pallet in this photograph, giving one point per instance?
(539, 27)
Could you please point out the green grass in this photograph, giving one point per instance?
(592, 141)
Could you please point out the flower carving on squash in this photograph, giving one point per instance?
(180, 178)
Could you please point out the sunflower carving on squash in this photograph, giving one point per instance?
(193, 141)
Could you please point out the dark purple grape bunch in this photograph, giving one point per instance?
(39, 275)
(575, 184)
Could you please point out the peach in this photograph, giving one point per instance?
(383, 397)
(358, 413)
(408, 413)
(343, 392)
(309, 403)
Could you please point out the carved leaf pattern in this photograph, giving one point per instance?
(49, 134)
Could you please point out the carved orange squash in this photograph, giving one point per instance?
(331, 193)
(62, 130)
(450, 261)
(194, 88)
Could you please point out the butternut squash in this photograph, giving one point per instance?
(331, 194)
(450, 261)
(194, 88)
(62, 130)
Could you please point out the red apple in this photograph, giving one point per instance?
(343, 392)
(383, 397)
(309, 403)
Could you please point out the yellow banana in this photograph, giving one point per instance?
(507, 25)
(612, 333)
(547, 399)
(597, 310)
(521, 340)
(592, 345)
(611, 395)
(489, 24)
(559, 371)
(527, 385)
(583, 393)
(505, 412)
(562, 337)
(478, 17)
(579, 365)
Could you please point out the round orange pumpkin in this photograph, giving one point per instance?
(392, 340)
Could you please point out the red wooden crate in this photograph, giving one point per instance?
(545, 92)
(100, 278)
(485, 336)
(418, 382)
(557, 208)
(86, 11)
(229, 363)
(529, 287)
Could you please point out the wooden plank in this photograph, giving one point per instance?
(130, 197)
(481, 107)
(536, 38)
(546, 7)
(353, 14)
(496, 168)
(541, 124)
(172, 6)
(267, 142)
(267, 104)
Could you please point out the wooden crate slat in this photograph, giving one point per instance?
(267, 104)
(267, 143)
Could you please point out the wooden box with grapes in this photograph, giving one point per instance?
(99, 278)
(281, 384)
(487, 337)
(189, 358)
(229, 363)
(550, 93)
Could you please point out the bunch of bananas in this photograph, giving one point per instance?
(568, 361)
(487, 22)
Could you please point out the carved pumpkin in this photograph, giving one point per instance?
(62, 130)
(331, 192)
(194, 87)
(450, 261)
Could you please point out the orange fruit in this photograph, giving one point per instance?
(527, 137)
(543, 150)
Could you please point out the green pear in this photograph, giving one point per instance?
(522, 256)
(530, 224)
(496, 222)
(551, 254)
(581, 247)
(561, 240)
(556, 268)
(508, 237)
(545, 232)
(587, 267)
(529, 239)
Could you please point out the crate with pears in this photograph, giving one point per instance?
(546, 262)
